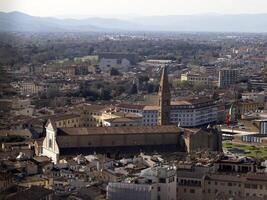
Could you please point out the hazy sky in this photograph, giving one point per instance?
(132, 7)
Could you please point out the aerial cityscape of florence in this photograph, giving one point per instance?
(133, 100)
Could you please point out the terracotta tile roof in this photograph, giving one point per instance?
(32, 193)
(120, 130)
(131, 106)
(21, 132)
(63, 117)
(191, 101)
(151, 108)
(119, 119)
(128, 115)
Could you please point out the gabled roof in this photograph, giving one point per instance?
(128, 115)
(131, 106)
(169, 129)
(93, 108)
(153, 108)
(34, 193)
(119, 120)
(192, 101)
(63, 117)
(51, 123)
(22, 133)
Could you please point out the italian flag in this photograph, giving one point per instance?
(230, 115)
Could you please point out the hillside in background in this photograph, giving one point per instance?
(17, 21)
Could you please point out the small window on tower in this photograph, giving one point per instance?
(50, 143)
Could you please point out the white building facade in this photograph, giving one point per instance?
(187, 113)
(154, 184)
(106, 63)
(50, 146)
(149, 114)
(196, 79)
(130, 191)
(193, 112)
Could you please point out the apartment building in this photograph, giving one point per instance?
(196, 79)
(153, 184)
(192, 112)
(90, 115)
(116, 60)
(242, 187)
(30, 88)
(188, 112)
(66, 120)
(228, 77)
(238, 182)
(148, 113)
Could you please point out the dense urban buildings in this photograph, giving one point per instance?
(133, 115)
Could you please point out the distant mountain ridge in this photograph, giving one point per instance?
(17, 21)
(208, 23)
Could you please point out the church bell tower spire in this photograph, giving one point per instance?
(164, 98)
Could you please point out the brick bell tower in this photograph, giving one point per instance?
(164, 98)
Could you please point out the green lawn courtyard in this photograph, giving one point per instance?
(246, 150)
